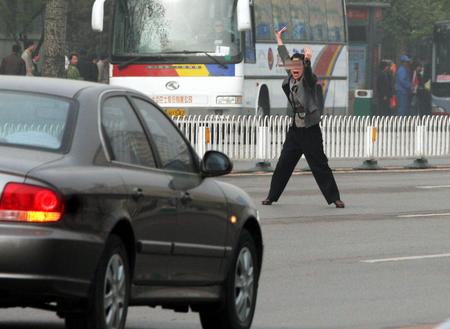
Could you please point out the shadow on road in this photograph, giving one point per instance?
(22, 325)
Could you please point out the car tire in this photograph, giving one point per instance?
(240, 290)
(108, 304)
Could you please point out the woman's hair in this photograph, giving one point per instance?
(28, 43)
(298, 56)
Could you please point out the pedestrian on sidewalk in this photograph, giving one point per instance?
(72, 69)
(27, 57)
(13, 64)
(418, 100)
(384, 88)
(93, 69)
(88, 70)
(304, 135)
(103, 68)
(403, 86)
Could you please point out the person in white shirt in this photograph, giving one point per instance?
(27, 57)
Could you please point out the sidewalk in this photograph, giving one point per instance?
(246, 166)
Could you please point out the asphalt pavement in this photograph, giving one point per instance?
(380, 263)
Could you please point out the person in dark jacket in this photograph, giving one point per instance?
(385, 88)
(13, 64)
(421, 101)
(93, 69)
(86, 66)
(304, 135)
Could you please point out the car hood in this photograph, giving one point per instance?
(20, 161)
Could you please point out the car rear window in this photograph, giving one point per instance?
(33, 120)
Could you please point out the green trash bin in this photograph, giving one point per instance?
(363, 102)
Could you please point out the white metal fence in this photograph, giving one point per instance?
(261, 138)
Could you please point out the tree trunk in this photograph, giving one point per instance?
(55, 38)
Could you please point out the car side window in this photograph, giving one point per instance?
(173, 150)
(125, 134)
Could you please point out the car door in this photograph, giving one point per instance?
(152, 204)
(200, 235)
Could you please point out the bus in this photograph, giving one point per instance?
(440, 69)
(220, 56)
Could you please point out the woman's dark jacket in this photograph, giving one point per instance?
(311, 104)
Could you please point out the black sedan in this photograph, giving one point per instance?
(104, 205)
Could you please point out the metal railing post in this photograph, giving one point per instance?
(420, 162)
(371, 137)
(262, 143)
(201, 141)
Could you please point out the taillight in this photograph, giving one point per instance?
(30, 203)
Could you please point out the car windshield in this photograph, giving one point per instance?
(32, 120)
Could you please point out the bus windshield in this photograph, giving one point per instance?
(150, 27)
(442, 59)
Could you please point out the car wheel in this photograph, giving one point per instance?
(110, 292)
(241, 287)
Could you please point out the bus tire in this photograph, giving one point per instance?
(263, 102)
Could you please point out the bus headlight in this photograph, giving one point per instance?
(228, 100)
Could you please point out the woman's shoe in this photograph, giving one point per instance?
(266, 202)
(339, 204)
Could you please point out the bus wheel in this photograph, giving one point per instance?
(263, 103)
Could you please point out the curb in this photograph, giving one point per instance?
(345, 170)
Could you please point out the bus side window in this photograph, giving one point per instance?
(281, 16)
(335, 20)
(318, 20)
(263, 20)
(250, 50)
(300, 29)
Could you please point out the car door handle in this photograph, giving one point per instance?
(185, 198)
(137, 193)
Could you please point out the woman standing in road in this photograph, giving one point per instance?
(304, 135)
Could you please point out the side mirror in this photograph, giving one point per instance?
(97, 15)
(215, 163)
(244, 20)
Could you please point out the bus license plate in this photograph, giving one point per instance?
(162, 99)
(175, 112)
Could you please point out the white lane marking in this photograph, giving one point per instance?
(424, 215)
(399, 259)
(433, 186)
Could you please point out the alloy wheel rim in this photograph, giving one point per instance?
(244, 284)
(114, 292)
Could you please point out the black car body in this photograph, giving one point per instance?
(105, 204)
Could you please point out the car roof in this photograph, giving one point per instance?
(53, 86)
